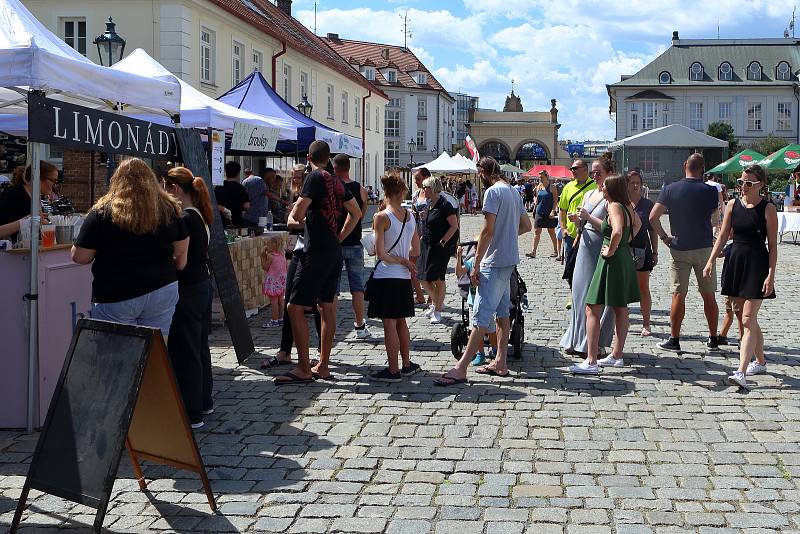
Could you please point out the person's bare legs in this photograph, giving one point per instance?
(441, 290)
(537, 235)
(727, 322)
(392, 343)
(430, 289)
(358, 307)
(646, 301)
(404, 339)
(500, 363)
(328, 314)
(751, 333)
(711, 310)
(677, 311)
(474, 344)
(420, 295)
(593, 313)
(552, 233)
(621, 326)
(297, 316)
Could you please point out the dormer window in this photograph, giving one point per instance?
(368, 72)
(783, 71)
(696, 72)
(664, 78)
(754, 71)
(422, 78)
(725, 72)
(391, 76)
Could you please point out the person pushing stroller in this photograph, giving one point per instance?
(465, 262)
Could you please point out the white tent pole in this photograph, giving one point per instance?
(33, 294)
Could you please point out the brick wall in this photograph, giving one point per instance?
(77, 178)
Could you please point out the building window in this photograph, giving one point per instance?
(258, 61)
(696, 115)
(303, 84)
(391, 155)
(368, 72)
(367, 115)
(236, 62)
(754, 71)
(725, 114)
(696, 72)
(754, 116)
(357, 111)
(392, 123)
(649, 115)
(725, 72)
(329, 95)
(664, 78)
(208, 45)
(394, 103)
(422, 109)
(391, 76)
(345, 110)
(784, 120)
(378, 120)
(366, 169)
(783, 71)
(421, 140)
(287, 83)
(74, 32)
(665, 115)
(422, 78)
(634, 116)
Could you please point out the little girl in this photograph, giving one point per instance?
(273, 261)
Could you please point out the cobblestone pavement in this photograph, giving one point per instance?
(660, 446)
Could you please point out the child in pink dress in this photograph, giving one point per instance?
(273, 261)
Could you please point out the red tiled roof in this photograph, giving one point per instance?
(384, 55)
(265, 16)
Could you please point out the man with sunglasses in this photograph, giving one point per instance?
(691, 204)
(571, 200)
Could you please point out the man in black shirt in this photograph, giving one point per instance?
(232, 195)
(321, 204)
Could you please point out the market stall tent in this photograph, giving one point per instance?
(737, 162)
(467, 164)
(554, 171)
(255, 95)
(441, 165)
(672, 136)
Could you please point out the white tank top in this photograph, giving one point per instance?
(401, 250)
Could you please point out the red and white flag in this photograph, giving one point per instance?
(472, 148)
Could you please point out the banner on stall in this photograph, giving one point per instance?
(252, 138)
(217, 163)
(80, 128)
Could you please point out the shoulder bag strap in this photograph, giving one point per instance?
(400, 236)
(576, 193)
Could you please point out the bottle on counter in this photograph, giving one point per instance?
(269, 221)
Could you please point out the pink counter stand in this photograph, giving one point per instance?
(65, 290)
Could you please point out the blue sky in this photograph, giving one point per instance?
(563, 49)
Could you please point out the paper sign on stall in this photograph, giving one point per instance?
(217, 162)
(252, 138)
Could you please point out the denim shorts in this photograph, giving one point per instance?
(493, 297)
(353, 259)
(154, 309)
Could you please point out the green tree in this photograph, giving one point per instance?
(724, 131)
(769, 144)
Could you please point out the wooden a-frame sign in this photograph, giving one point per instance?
(116, 390)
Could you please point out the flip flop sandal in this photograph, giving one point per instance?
(273, 361)
(293, 379)
(530, 255)
(491, 372)
(330, 378)
(447, 380)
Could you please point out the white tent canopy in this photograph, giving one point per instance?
(672, 136)
(197, 109)
(33, 58)
(466, 162)
(444, 164)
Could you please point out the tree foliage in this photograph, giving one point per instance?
(724, 131)
(769, 144)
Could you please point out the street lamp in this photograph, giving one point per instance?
(412, 146)
(109, 45)
(305, 106)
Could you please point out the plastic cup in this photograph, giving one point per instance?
(262, 222)
(48, 235)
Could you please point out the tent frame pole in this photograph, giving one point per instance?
(36, 151)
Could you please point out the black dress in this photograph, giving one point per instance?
(747, 266)
(433, 259)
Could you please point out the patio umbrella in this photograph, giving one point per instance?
(737, 162)
(507, 167)
(785, 159)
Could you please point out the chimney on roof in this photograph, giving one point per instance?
(285, 6)
(385, 54)
(334, 37)
(675, 38)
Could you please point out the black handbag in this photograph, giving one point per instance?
(569, 261)
(369, 287)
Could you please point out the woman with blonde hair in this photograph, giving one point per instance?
(136, 238)
(191, 324)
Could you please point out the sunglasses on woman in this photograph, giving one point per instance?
(748, 183)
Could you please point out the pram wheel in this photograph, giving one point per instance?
(458, 339)
(517, 337)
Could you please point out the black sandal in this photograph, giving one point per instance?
(293, 379)
(274, 361)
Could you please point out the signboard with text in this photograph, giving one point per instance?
(252, 138)
(217, 163)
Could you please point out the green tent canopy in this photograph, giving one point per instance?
(507, 167)
(736, 163)
(785, 159)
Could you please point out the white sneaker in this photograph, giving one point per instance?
(610, 361)
(436, 317)
(199, 424)
(737, 379)
(363, 332)
(584, 368)
(756, 368)
(429, 311)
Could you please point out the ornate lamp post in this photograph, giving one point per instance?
(412, 146)
(305, 106)
(109, 45)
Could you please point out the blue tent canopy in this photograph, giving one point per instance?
(254, 94)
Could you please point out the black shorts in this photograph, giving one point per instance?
(545, 221)
(394, 299)
(315, 278)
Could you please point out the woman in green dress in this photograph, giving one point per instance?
(614, 282)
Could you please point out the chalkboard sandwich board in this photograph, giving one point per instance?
(116, 390)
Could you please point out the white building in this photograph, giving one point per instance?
(750, 84)
(214, 44)
(419, 116)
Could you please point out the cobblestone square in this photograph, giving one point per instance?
(660, 446)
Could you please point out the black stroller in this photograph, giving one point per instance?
(459, 333)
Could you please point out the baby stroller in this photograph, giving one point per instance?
(459, 334)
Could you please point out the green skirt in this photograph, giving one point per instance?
(614, 281)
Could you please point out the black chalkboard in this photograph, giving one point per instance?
(195, 159)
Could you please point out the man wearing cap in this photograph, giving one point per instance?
(571, 200)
